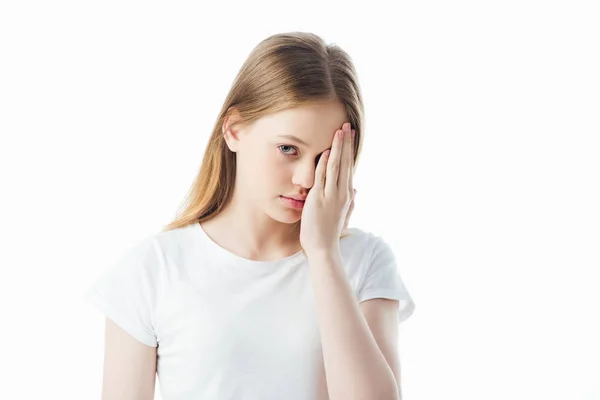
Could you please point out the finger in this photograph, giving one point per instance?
(351, 164)
(343, 182)
(333, 166)
(351, 204)
(349, 213)
(320, 171)
(352, 147)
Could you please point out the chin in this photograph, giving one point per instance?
(284, 214)
(290, 220)
(289, 217)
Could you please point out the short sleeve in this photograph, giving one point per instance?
(126, 293)
(383, 280)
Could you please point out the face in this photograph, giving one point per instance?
(272, 163)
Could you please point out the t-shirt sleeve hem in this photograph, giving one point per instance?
(406, 306)
(94, 298)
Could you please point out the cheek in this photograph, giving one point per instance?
(267, 173)
(262, 161)
(277, 170)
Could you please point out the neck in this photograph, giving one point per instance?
(250, 233)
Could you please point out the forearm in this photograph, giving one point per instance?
(355, 367)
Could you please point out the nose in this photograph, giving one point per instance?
(304, 175)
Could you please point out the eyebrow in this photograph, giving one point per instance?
(295, 139)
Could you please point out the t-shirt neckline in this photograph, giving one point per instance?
(230, 256)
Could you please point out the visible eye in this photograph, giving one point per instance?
(285, 150)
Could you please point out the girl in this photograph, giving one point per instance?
(258, 290)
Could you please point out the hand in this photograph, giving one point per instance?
(330, 202)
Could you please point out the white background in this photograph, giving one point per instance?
(481, 167)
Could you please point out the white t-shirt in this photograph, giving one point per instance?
(227, 327)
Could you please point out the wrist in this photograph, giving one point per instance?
(323, 253)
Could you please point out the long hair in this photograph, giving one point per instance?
(283, 71)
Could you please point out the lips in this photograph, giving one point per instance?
(292, 202)
(298, 198)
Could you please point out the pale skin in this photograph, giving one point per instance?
(355, 363)
(359, 341)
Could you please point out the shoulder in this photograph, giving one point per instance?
(363, 241)
(361, 249)
(154, 253)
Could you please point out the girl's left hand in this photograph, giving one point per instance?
(330, 202)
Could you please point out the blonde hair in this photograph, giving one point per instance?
(283, 71)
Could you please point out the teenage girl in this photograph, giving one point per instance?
(258, 290)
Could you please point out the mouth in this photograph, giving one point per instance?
(293, 203)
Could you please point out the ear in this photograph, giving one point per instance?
(231, 133)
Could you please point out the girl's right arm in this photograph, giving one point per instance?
(129, 366)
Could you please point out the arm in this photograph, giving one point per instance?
(129, 366)
(355, 367)
(382, 317)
